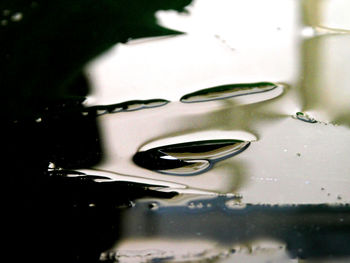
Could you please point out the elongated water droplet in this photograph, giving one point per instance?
(227, 91)
(189, 158)
(304, 117)
(132, 105)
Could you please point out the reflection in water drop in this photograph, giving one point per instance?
(189, 158)
(132, 105)
(228, 91)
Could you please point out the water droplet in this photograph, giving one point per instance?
(191, 205)
(228, 91)
(234, 204)
(189, 158)
(304, 117)
(339, 197)
(153, 206)
(92, 205)
(17, 17)
(132, 105)
(51, 166)
(101, 112)
(298, 154)
(38, 120)
(200, 205)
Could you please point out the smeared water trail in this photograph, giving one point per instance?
(228, 91)
(190, 158)
(99, 176)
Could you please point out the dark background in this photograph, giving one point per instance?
(42, 55)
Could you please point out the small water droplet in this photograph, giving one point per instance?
(189, 158)
(16, 17)
(153, 206)
(234, 204)
(191, 205)
(200, 205)
(92, 205)
(51, 166)
(101, 112)
(298, 154)
(322, 188)
(228, 91)
(304, 117)
(339, 197)
(38, 120)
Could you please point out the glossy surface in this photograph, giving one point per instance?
(252, 168)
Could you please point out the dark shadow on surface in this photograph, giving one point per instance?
(44, 47)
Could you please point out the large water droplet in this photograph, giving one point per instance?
(189, 158)
(228, 91)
